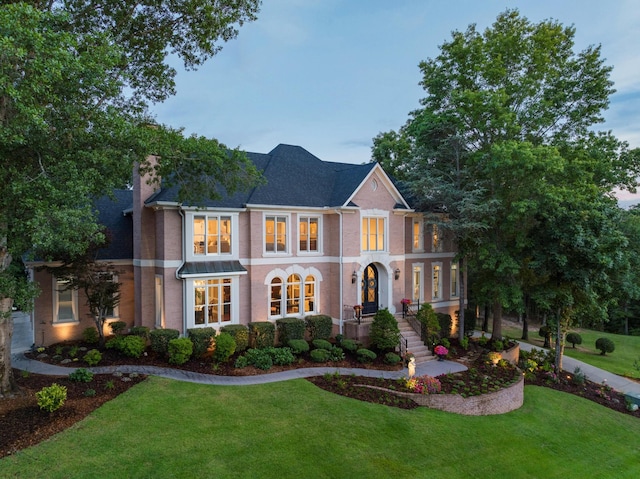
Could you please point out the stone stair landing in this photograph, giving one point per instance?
(414, 343)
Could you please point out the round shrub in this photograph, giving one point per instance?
(81, 375)
(225, 347)
(392, 358)
(241, 362)
(93, 357)
(141, 331)
(320, 355)
(160, 339)
(202, 340)
(51, 398)
(241, 335)
(117, 327)
(384, 333)
(281, 356)
(366, 355)
(298, 346)
(605, 345)
(90, 335)
(132, 346)
(322, 344)
(260, 358)
(336, 354)
(350, 345)
(574, 338)
(180, 350)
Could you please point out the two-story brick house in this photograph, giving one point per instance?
(317, 238)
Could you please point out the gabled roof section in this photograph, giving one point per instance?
(294, 178)
(119, 226)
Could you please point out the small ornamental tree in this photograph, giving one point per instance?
(605, 345)
(384, 333)
(574, 338)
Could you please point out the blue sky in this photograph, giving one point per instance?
(329, 75)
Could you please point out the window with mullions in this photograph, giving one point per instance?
(292, 297)
(437, 281)
(66, 303)
(373, 234)
(275, 238)
(212, 304)
(417, 235)
(455, 285)
(211, 235)
(308, 234)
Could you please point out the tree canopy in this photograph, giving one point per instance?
(504, 149)
(76, 80)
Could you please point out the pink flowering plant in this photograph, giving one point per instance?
(440, 350)
(424, 385)
(405, 301)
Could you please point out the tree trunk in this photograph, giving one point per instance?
(485, 320)
(8, 386)
(525, 327)
(560, 334)
(461, 300)
(496, 334)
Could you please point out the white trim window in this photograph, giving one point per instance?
(418, 237)
(436, 239)
(211, 235)
(159, 302)
(65, 302)
(436, 285)
(308, 234)
(455, 281)
(212, 302)
(275, 234)
(287, 298)
(416, 295)
(373, 233)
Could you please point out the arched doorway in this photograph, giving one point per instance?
(370, 290)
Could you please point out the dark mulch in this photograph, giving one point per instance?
(24, 424)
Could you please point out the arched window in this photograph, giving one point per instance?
(293, 294)
(276, 297)
(309, 294)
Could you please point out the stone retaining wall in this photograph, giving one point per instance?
(499, 402)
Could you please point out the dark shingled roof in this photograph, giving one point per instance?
(119, 227)
(211, 267)
(294, 177)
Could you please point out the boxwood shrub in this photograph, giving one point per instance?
(605, 345)
(260, 358)
(290, 328)
(202, 340)
(93, 357)
(366, 355)
(320, 355)
(241, 335)
(132, 346)
(261, 334)
(225, 347)
(320, 326)
(322, 344)
(118, 327)
(141, 331)
(350, 345)
(298, 346)
(160, 339)
(180, 350)
(391, 358)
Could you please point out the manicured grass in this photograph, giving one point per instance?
(619, 362)
(164, 428)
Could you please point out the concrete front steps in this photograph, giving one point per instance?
(414, 343)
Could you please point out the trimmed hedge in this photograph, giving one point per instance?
(262, 334)
(366, 355)
(444, 320)
(118, 327)
(180, 350)
(160, 339)
(322, 344)
(240, 334)
(290, 328)
(202, 340)
(350, 345)
(141, 331)
(298, 346)
(320, 355)
(320, 326)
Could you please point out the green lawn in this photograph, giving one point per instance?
(170, 429)
(619, 362)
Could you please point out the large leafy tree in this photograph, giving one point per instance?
(76, 79)
(512, 108)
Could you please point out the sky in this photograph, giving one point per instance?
(329, 75)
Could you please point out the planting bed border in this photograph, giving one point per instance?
(499, 402)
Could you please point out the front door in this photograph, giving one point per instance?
(370, 290)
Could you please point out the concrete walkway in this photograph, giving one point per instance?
(432, 368)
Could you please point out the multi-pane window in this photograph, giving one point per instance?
(275, 238)
(436, 285)
(308, 234)
(212, 301)
(436, 239)
(66, 303)
(417, 235)
(417, 284)
(211, 235)
(455, 287)
(373, 234)
(292, 297)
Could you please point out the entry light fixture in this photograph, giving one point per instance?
(354, 278)
(397, 273)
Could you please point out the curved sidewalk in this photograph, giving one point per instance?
(432, 368)
(594, 374)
